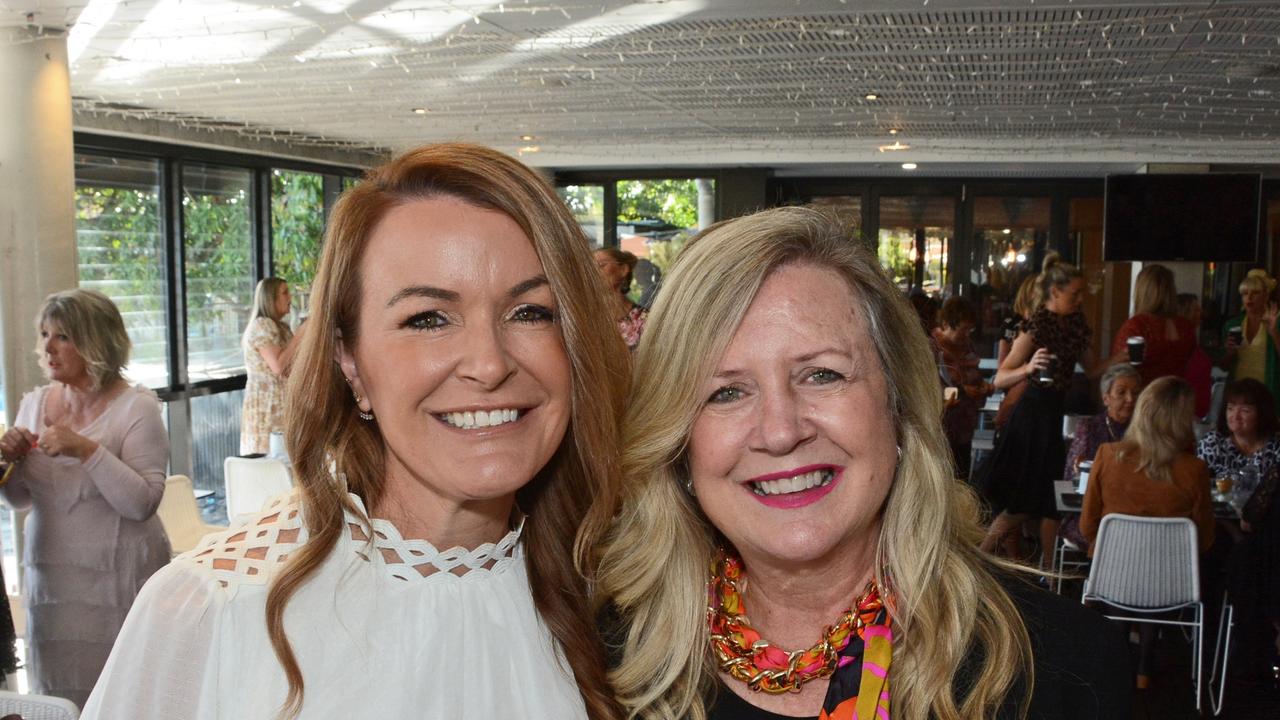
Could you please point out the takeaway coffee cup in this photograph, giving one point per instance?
(1235, 333)
(1137, 349)
(1083, 483)
(1045, 376)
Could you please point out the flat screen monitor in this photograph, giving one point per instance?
(1210, 217)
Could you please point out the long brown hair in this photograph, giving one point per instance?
(324, 428)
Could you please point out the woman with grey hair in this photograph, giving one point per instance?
(86, 457)
(1120, 386)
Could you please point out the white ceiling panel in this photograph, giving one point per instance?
(609, 82)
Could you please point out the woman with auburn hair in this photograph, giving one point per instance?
(1168, 338)
(454, 410)
(784, 460)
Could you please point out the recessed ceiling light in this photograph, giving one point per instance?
(420, 111)
(897, 145)
(872, 96)
(527, 138)
(529, 149)
(909, 166)
(1007, 231)
(894, 131)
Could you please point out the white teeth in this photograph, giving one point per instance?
(480, 418)
(793, 484)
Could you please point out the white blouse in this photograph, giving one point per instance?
(388, 629)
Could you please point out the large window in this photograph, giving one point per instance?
(217, 235)
(586, 202)
(120, 242)
(915, 241)
(1009, 239)
(297, 230)
(655, 218)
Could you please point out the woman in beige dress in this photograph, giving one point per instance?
(268, 350)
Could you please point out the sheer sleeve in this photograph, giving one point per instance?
(134, 482)
(164, 665)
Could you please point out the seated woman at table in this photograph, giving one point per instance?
(1120, 387)
(1246, 432)
(1153, 473)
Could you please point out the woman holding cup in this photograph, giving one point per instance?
(1251, 338)
(1156, 340)
(1017, 479)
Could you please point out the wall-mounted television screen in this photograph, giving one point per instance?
(1210, 217)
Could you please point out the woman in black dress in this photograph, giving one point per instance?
(1017, 479)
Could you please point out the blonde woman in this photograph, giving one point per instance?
(1169, 339)
(1251, 338)
(1152, 472)
(91, 453)
(455, 407)
(784, 461)
(268, 346)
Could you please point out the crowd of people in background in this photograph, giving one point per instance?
(758, 366)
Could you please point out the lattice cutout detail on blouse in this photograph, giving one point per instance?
(247, 553)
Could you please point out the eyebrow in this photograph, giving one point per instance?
(532, 283)
(435, 293)
(857, 360)
(426, 291)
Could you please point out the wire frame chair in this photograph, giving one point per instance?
(37, 707)
(251, 482)
(1149, 567)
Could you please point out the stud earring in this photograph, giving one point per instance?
(688, 487)
(363, 415)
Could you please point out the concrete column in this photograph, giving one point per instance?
(706, 203)
(37, 194)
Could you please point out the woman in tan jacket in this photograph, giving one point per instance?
(1152, 472)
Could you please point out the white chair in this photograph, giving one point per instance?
(1149, 566)
(37, 707)
(180, 516)
(251, 482)
(1066, 554)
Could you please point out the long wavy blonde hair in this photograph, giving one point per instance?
(654, 566)
(328, 441)
(1163, 427)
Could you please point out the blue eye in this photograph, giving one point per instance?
(725, 394)
(429, 320)
(823, 376)
(533, 314)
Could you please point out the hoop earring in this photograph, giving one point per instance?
(899, 454)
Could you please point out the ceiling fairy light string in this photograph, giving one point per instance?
(572, 73)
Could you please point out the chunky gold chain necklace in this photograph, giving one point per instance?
(744, 655)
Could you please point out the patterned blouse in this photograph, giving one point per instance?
(632, 326)
(1091, 433)
(1066, 336)
(1223, 457)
